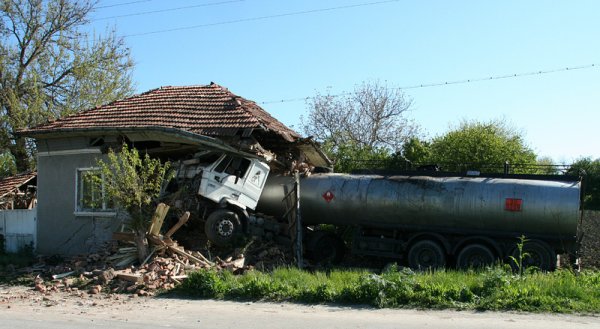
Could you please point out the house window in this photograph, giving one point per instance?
(91, 196)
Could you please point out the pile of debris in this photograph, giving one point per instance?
(162, 273)
(113, 270)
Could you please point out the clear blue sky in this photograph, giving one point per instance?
(259, 53)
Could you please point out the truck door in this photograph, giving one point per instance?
(255, 182)
(226, 180)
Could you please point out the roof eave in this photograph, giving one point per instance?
(183, 135)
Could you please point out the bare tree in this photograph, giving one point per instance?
(49, 67)
(373, 116)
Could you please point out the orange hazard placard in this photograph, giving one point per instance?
(511, 204)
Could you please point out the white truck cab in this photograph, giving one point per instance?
(235, 180)
(227, 178)
(231, 184)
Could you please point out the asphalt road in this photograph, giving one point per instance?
(177, 313)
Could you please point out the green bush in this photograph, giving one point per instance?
(206, 284)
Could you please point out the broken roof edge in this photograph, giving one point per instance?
(318, 158)
(266, 121)
(17, 181)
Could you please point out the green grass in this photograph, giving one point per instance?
(491, 289)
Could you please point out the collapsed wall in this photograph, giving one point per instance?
(590, 244)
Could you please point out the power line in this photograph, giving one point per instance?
(455, 82)
(506, 76)
(251, 19)
(168, 9)
(122, 4)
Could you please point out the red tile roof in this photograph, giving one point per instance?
(206, 110)
(9, 184)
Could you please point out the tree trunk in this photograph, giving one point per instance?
(142, 244)
(19, 152)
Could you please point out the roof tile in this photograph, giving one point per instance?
(9, 184)
(206, 110)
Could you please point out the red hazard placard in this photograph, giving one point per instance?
(328, 196)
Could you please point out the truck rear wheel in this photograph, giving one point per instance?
(222, 227)
(537, 253)
(475, 256)
(326, 248)
(426, 254)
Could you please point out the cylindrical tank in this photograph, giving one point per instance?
(503, 206)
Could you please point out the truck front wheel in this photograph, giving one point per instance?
(222, 227)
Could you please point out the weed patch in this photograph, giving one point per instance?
(11, 261)
(494, 288)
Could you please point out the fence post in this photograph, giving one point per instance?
(298, 245)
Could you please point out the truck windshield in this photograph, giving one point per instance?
(232, 164)
(208, 158)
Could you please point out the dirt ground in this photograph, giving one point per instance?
(75, 301)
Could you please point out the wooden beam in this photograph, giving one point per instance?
(158, 218)
(135, 278)
(182, 220)
(197, 260)
(123, 236)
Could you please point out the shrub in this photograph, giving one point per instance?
(205, 284)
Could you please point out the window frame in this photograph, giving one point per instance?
(229, 166)
(105, 211)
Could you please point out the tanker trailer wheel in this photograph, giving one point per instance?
(426, 254)
(475, 256)
(536, 253)
(222, 227)
(326, 248)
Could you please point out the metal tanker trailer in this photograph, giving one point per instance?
(433, 219)
(430, 219)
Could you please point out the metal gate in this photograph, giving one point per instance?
(18, 228)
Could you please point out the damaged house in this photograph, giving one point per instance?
(18, 212)
(18, 191)
(171, 123)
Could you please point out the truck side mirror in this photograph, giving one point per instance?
(237, 175)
